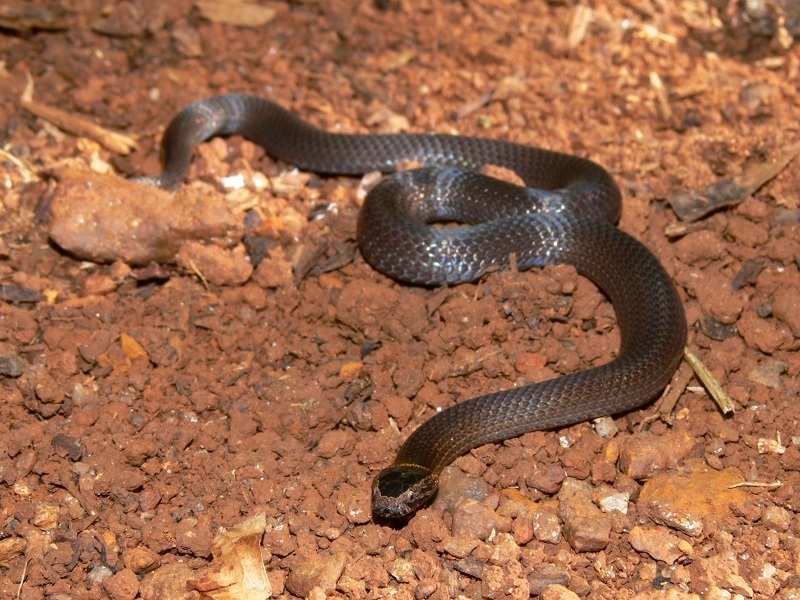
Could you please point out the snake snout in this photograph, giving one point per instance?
(399, 490)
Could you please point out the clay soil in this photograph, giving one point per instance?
(143, 408)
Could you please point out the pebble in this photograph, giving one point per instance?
(402, 570)
(460, 547)
(122, 585)
(644, 454)
(499, 583)
(786, 307)
(768, 373)
(545, 576)
(777, 518)
(474, 519)
(558, 592)
(141, 560)
(547, 527)
(658, 543)
(354, 504)
(505, 550)
(103, 218)
(608, 499)
(218, 266)
(718, 298)
(762, 334)
(547, 478)
(11, 365)
(321, 573)
(685, 500)
(699, 248)
(424, 589)
(586, 527)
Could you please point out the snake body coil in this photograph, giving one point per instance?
(567, 215)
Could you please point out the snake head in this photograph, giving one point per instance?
(399, 490)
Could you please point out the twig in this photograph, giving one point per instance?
(711, 384)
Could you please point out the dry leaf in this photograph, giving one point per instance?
(237, 571)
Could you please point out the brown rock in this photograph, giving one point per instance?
(547, 478)
(354, 504)
(274, 271)
(168, 581)
(699, 248)
(141, 560)
(505, 550)
(657, 543)
(644, 454)
(718, 298)
(545, 576)
(474, 519)
(547, 527)
(746, 232)
(786, 307)
(777, 518)
(684, 501)
(762, 334)
(586, 527)
(500, 583)
(105, 218)
(558, 592)
(123, 585)
(323, 573)
(219, 266)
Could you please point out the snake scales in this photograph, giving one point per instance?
(566, 215)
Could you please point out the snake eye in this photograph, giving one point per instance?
(399, 490)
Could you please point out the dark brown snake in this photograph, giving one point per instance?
(566, 215)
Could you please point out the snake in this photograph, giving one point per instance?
(565, 213)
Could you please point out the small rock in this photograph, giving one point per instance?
(46, 516)
(322, 573)
(719, 300)
(98, 285)
(354, 504)
(123, 585)
(608, 499)
(586, 527)
(474, 519)
(141, 560)
(699, 248)
(606, 427)
(768, 373)
(547, 478)
(402, 570)
(644, 454)
(104, 218)
(657, 543)
(460, 547)
(218, 266)
(68, 447)
(505, 550)
(777, 518)
(547, 527)
(558, 592)
(522, 529)
(684, 500)
(514, 504)
(545, 576)
(11, 365)
(762, 334)
(499, 583)
(786, 307)
(424, 590)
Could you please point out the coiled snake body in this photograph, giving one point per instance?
(566, 215)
